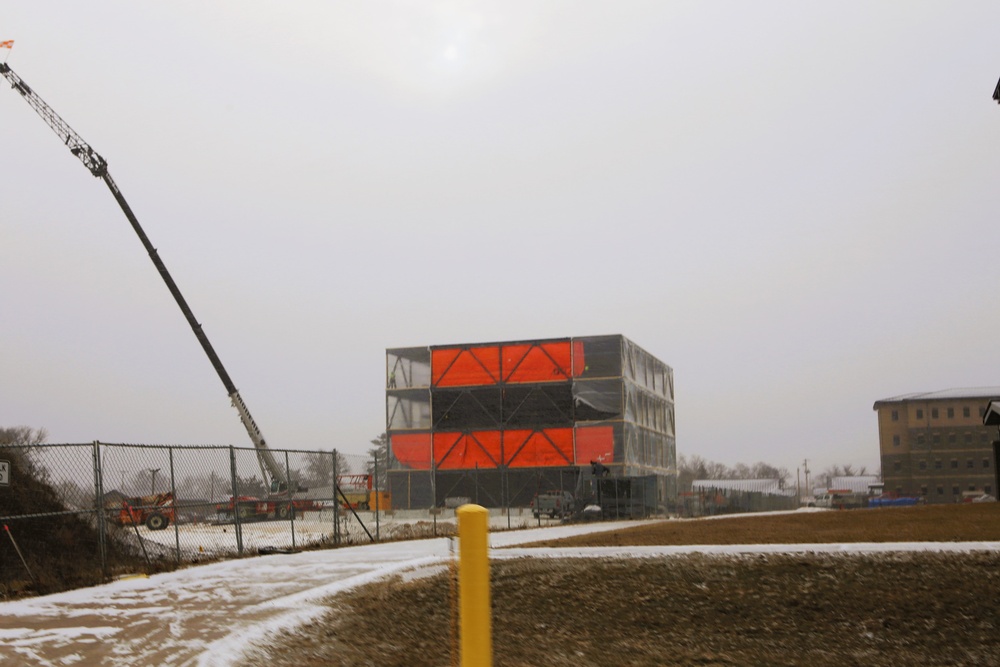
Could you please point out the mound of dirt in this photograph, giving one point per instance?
(56, 549)
(816, 609)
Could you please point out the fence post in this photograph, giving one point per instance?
(238, 528)
(505, 491)
(99, 508)
(538, 491)
(378, 536)
(173, 494)
(291, 504)
(336, 503)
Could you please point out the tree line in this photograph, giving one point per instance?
(690, 468)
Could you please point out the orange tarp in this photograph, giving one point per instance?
(413, 450)
(579, 363)
(521, 448)
(525, 448)
(467, 450)
(458, 367)
(537, 362)
(595, 443)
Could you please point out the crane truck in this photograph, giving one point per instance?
(98, 166)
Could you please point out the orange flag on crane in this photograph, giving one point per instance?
(9, 44)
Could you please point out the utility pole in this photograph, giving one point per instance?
(152, 479)
(805, 468)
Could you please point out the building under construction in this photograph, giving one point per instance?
(495, 423)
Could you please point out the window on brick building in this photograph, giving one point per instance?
(934, 413)
(955, 491)
(920, 414)
(897, 466)
(951, 413)
(920, 438)
(937, 464)
(972, 487)
(988, 488)
(895, 441)
(951, 438)
(986, 463)
(922, 465)
(954, 464)
(940, 490)
(936, 438)
(895, 415)
(968, 438)
(923, 490)
(970, 464)
(965, 411)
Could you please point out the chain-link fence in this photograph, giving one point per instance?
(712, 501)
(77, 515)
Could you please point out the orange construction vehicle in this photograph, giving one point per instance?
(154, 511)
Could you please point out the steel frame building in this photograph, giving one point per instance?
(494, 422)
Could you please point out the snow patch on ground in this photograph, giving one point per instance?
(215, 614)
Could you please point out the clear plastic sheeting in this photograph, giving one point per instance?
(648, 410)
(601, 356)
(408, 368)
(647, 371)
(407, 410)
(499, 407)
(597, 400)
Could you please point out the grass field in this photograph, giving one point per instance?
(787, 609)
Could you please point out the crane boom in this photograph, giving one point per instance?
(98, 166)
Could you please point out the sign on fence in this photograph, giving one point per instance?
(4, 473)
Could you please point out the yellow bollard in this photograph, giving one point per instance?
(474, 586)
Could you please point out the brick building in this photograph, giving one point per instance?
(935, 444)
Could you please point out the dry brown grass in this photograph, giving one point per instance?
(816, 609)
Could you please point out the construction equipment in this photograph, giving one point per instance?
(155, 511)
(355, 492)
(98, 166)
(252, 508)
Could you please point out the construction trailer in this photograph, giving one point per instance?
(498, 422)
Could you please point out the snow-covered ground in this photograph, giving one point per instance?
(211, 615)
(317, 527)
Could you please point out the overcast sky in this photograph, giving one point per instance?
(793, 204)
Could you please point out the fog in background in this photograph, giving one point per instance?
(792, 204)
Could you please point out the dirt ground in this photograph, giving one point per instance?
(817, 609)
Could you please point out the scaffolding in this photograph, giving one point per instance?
(504, 420)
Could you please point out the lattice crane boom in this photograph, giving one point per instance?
(98, 166)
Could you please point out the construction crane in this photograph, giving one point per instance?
(98, 166)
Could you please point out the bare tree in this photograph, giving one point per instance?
(23, 436)
(696, 467)
(319, 468)
(17, 443)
